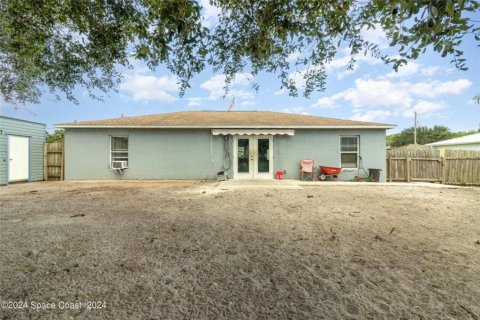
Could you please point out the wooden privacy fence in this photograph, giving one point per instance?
(53, 161)
(454, 167)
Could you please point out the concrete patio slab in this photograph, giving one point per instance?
(258, 184)
(378, 184)
(296, 184)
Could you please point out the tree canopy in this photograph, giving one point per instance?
(425, 135)
(51, 45)
(57, 135)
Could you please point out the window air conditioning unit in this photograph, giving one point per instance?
(119, 165)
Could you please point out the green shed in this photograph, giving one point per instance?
(21, 150)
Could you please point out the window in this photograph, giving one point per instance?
(349, 152)
(118, 149)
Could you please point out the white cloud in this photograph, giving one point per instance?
(195, 102)
(379, 98)
(375, 35)
(346, 73)
(210, 13)
(338, 63)
(414, 68)
(404, 71)
(473, 102)
(329, 102)
(150, 88)
(341, 62)
(325, 103)
(434, 89)
(242, 94)
(425, 108)
(138, 66)
(298, 77)
(297, 110)
(292, 57)
(248, 103)
(371, 115)
(368, 93)
(280, 92)
(239, 87)
(432, 70)
(216, 86)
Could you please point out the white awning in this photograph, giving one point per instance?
(252, 132)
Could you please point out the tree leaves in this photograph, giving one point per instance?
(56, 46)
(476, 99)
(425, 135)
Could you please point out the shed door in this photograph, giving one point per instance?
(18, 158)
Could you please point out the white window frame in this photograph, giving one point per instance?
(127, 152)
(355, 152)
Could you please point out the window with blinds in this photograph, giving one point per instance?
(349, 152)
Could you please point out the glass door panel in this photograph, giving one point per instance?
(243, 155)
(263, 152)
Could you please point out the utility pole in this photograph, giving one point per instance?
(415, 129)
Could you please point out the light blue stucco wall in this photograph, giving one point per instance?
(153, 154)
(36, 133)
(323, 146)
(196, 154)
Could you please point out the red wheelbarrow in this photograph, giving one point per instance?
(330, 173)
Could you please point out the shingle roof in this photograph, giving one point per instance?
(224, 119)
(472, 138)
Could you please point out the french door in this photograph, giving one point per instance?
(253, 157)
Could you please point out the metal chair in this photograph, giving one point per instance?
(307, 169)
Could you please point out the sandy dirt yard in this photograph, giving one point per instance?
(184, 250)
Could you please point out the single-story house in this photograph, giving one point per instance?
(199, 144)
(470, 142)
(21, 150)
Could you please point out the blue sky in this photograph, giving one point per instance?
(441, 94)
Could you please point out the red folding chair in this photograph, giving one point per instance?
(307, 169)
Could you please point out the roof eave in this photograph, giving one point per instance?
(10, 118)
(452, 144)
(78, 126)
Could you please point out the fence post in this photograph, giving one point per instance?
(407, 168)
(443, 169)
(45, 161)
(390, 169)
(62, 163)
